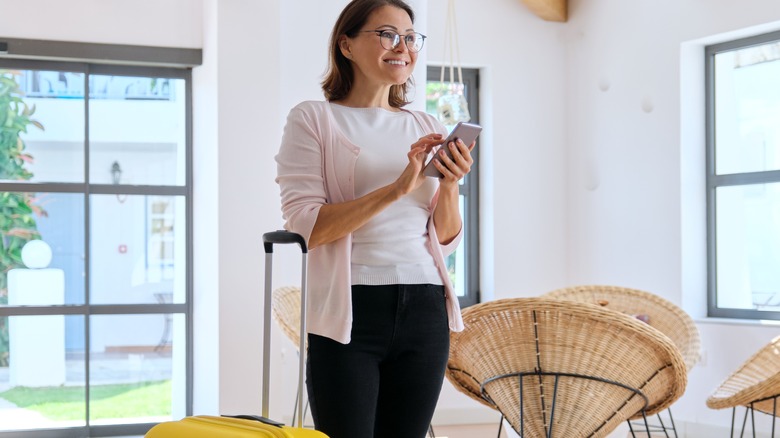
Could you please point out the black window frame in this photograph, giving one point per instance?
(714, 181)
(120, 60)
(470, 187)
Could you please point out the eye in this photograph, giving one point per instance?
(387, 34)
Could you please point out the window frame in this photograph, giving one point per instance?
(470, 187)
(131, 61)
(714, 181)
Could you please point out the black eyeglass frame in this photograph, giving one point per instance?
(397, 38)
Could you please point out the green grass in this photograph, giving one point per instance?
(147, 399)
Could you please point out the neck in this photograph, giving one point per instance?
(364, 96)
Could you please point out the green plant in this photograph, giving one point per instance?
(67, 403)
(17, 210)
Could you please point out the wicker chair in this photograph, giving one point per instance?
(661, 314)
(286, 310)
(755, 385)
(563, 369)
(286, 302)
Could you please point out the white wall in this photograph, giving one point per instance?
(173, 23)
(636, 163)
(584, 155)
(523, 175)
(522, 68)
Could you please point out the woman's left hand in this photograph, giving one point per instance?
(456, 168)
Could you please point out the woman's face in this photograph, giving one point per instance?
(370, 59)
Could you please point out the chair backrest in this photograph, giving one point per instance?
(286, 302)
(573, 367)
(662, 314)
(756, 380)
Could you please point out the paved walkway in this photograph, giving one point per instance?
(15, 418)
(104, 369)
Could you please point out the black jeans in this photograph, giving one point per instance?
(387, 380)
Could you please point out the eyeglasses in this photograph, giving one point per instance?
(390, 39)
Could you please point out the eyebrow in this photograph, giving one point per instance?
(393, 27)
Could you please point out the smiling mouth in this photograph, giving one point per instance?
(396, 62)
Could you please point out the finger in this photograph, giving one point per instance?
(446, 161)
(462, 154)
(459, 165)
(418, 152)
(429, 138)
(461, 157)
(427, 144)
(446, 171)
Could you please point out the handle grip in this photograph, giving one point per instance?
(283, 237)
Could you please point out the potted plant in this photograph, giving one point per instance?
(17, 210)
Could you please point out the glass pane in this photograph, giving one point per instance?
(137, 130)
(435, 90)
(41, 249)
(748, 247)
(137, 249)
(747, 109)
(42, 377)
(47, 109)
(137, 368)
(456, 262)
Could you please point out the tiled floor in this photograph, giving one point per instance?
(491, 431)
(468, 431)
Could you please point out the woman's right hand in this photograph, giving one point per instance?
(335, 221)
(412, 177)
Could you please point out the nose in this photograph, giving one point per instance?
(401, 46)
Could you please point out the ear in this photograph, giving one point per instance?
(346, 48)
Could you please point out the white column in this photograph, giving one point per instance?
(36, 341)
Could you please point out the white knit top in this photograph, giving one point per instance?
(391, 248)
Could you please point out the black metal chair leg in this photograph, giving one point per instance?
(753, 419)
(500, 423)
(671, 419)
(631, 428)
(663, 426)
(552, 409)
(744, 423)
(647, 426)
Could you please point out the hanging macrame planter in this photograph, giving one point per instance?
(452, 106)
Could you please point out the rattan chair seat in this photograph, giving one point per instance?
(663, 315)
(757, 379)
(587, 346)
(286, 302)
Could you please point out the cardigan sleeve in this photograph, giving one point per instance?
(299, 172)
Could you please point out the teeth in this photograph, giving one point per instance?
(395, 62)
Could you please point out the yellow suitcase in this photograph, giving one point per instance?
(249, 426)
(204, 426)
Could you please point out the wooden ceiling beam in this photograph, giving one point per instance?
(550, 10)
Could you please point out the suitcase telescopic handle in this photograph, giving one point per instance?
(283, 237)
(269, 239)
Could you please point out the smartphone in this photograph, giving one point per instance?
(468, 132)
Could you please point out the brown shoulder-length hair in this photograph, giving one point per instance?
(340, 75)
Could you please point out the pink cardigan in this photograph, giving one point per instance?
(315, 166)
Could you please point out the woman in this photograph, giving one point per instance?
(350, 172)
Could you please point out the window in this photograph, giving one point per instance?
(743, 177)
(463, 264)
(95, 248)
